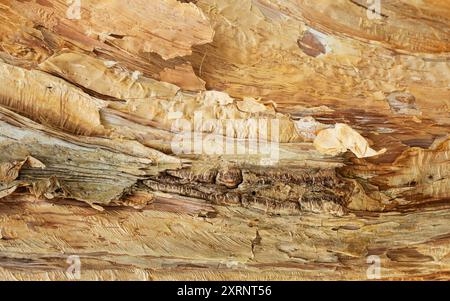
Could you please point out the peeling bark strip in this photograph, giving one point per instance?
(311, 45)
(49, 100)
(134, 134)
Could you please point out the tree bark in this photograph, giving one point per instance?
(225, 139)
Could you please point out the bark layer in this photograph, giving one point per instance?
(342, 116)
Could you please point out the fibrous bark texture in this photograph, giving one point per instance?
(224, 139)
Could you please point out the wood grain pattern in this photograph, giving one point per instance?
(352, 108)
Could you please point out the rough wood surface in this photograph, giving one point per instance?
(326, 143)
